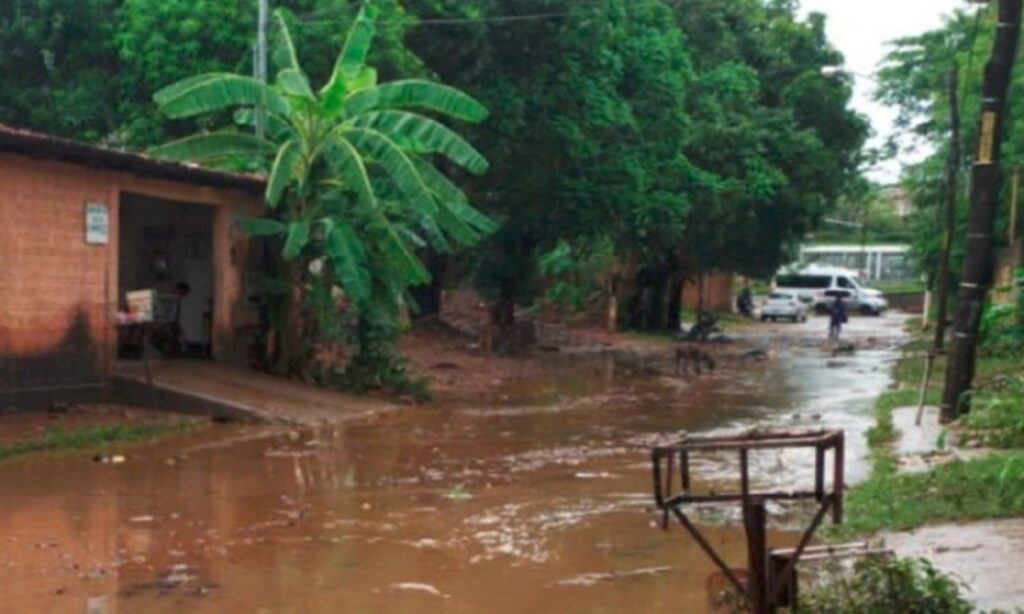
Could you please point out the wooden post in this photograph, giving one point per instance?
(986, 180)
(754, 521)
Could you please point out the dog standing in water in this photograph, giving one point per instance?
(692, 359)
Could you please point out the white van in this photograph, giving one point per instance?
(817, 286)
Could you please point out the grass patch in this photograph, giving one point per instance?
(96, 437)
(905, 287)
(990, 487)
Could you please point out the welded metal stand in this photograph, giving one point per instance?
(771, 577)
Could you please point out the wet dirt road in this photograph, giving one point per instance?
(536, 499)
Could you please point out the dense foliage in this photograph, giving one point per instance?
(351, 188)
(884, 585)
(634, 144)
(914, 79)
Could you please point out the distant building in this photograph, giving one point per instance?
(874, 263)
(896, 199)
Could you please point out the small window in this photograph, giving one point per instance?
(844, 282)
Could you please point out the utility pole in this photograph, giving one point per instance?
(261, 58)
(986, 181)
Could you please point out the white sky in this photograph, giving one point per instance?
(861, 29)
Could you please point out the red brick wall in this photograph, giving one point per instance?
(57, 292)
(718, 293)
(52, 325)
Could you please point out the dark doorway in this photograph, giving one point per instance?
(167, 246)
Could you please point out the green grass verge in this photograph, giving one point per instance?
(990, 487)
(903, 287)
(96, 437)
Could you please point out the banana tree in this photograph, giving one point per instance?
(352, 186)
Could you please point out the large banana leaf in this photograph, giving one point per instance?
(415, 93)
(402, 261)
(214, 145)
(347, 161)
(283, 171)
(215, 92)
(450, 197)
(427, 135)
(284, 56)
(350, 73)
(357, 45)
(293, 82)
(277, 128)
(298, 238)
(397, 164)
(348, 257)
(262, 227)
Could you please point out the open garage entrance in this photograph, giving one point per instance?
(167, 246)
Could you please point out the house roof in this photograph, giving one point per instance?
(38, 145)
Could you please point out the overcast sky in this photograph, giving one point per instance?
(861, 29)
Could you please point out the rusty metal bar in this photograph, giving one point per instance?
(819, 472)
(776, 439)
(684, 470)
(668, 488)
(728, 497)
(755, 524)
(744, 475)
(838, 482)
(825, 548)
(708, 550)
(799, 550)
(659, 497)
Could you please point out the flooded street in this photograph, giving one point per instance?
(535, 498)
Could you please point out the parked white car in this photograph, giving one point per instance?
(784, 306)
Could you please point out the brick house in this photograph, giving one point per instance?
(79, 226)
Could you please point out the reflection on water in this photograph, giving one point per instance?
(538, 499)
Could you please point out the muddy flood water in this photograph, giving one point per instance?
(535, 499)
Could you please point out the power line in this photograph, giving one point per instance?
(456, 20)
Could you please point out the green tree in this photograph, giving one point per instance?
(57, 62)
(351, 182)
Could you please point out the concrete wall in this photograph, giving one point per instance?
(57, 292)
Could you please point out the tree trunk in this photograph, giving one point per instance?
(700, 294)
(675, 303)
(952, 169)
(986, 180)
(655, 321)
(293, 349)
(612, 316)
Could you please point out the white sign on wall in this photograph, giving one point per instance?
(97, 224)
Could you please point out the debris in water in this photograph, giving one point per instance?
(458, 493)
(141, 519)
(419, 587)
(590, 579)
(595, 475)
(96, 605)
(114, 459)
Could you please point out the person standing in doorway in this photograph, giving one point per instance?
(837, 317)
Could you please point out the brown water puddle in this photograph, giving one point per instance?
(535, 500)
